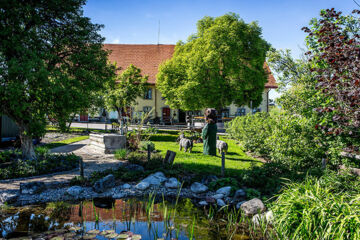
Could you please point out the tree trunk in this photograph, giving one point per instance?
(27, 145)
(120, 119)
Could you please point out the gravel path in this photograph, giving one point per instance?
(93, 161)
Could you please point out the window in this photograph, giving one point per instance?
(148, 94)
(240, 112)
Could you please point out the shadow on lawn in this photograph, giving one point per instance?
(267, 178)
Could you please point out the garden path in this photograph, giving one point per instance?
(93, 161)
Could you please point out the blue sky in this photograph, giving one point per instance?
(137, 21)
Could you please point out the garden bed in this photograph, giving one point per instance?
(13, 166)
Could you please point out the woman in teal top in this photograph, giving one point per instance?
(209, 132)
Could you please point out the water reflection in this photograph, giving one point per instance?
(108, 219)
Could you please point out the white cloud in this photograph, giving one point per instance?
(116, 41)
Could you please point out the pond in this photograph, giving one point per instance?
(112, 219)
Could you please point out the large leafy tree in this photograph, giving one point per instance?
(51, 63)
(122, 91)
(334, 42)
(221, 64)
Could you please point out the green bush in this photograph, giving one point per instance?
(121, 153)
(44, 164)
(137, 157)
(324, 208)
(163, 138)
(145, 144)
(252, 131)
(288, 139)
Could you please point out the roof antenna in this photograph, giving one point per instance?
(159, 33)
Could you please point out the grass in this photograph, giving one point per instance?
(50, 128)
(197, 162)
(65, 142)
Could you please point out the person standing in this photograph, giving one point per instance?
(209, 132)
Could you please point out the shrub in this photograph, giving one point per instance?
(163, 138)
(121, 153)
(252, 193)
(41, 150)
(324, 208)
(145, 144)
(44, 164)
(252, 131)
(287, 139)
(137, 157)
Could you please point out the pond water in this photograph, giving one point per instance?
(110, 219)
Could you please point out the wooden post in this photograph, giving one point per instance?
(169, 157)
(223, 164)
(81, 167)
(148, 152)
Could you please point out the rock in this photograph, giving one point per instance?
(210, 200)
(197, 187)
(105, 183)
(203, 203)
(220, 202)
(218, 196)
(155, 179)
(253, 207)
(7, 197)
(142, 185)
(208, 179)
(239, 194)
(74, 191)
(267, 216)
(224, 190)
(126, 186)
(238, 205)
(172, 183)
(32, 187)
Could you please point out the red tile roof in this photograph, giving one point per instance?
(148, 57)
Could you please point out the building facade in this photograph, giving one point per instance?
(148, 57)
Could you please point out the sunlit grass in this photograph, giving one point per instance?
(197, 162)
(66, 142)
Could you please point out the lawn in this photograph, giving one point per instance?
(198, 163)
(65, 142)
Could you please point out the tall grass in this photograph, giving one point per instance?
(324, 208)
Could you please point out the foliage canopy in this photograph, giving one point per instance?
(51, 63)
(221, 64)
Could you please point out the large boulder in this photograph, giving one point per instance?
(220, 203)
(218, 196)
(252, 207)
(32, 187)
(197, 187)
(142, 185)
(74, 191)
(126, 186)
(155, 179)
(224, 191)
(8, 197)
(240, 194)
(104, 184)
(172, 183)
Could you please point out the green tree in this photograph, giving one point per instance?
(221, 64)
(51, 62)
(122, 91)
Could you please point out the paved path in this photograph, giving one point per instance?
(93, 161)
